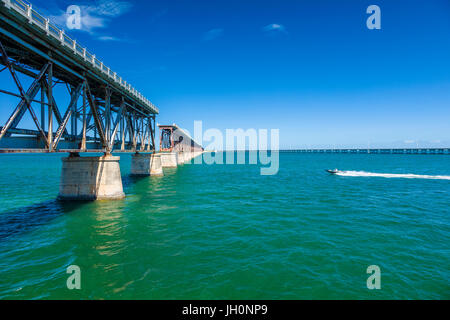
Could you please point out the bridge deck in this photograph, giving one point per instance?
(375, 151)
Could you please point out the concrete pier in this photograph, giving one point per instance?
(91, 178)
(146, 165)
(169, 159)
(187, 156)
(180, 158)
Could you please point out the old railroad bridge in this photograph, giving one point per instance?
(104, 113)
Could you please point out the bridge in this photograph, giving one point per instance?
(177, 146)
(75, 103)
(375, 151)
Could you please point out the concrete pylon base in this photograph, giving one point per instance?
(146, 165)
(180, 158)
(91, 178)
(187, 156)
(169, 159)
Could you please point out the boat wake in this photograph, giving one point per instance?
(389, 175)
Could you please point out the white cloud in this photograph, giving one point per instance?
(212, 34)
(110, 8)
(95, 16)
(108, 38)
(274, 27)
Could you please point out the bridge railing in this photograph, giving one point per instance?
(36, 19)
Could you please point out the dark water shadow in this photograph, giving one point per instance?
(130, 180)
(26, 219)
(22, 220)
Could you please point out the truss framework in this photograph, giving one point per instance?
(74, 105)
(96, 123)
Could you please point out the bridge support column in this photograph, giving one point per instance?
(146, 165)
(180, 157)
(169, 159)
(91, 178)
(187, 156)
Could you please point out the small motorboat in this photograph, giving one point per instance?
(334, 171)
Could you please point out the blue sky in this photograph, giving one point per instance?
(309, 68)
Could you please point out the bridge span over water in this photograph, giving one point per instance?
(104, 113)
(375, 151)
(100, 113)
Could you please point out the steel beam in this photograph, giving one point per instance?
(119, 119)
(69, 111)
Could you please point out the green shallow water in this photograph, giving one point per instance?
(225, 232)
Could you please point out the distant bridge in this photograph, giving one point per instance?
(105, 112)
(375, 151)
(177, 146)
(173, 138)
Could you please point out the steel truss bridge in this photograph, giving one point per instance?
(104, 113)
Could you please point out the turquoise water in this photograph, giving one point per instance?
(226, 232)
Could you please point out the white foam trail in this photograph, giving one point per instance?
(389, 175)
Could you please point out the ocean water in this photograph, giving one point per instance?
(226, 232)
